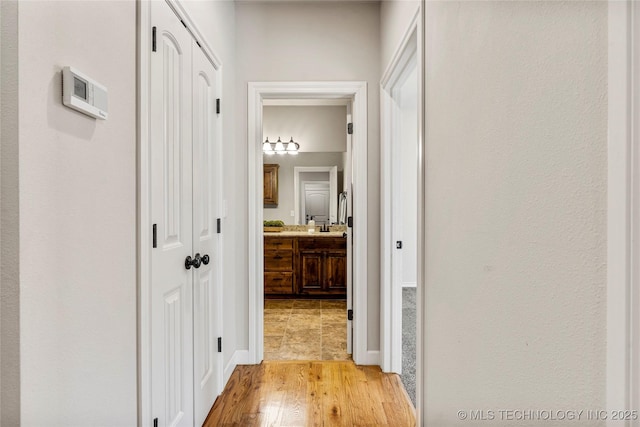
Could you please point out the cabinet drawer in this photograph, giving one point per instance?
(278, 283)
(271, 243)
(278, 260)
(320, 243)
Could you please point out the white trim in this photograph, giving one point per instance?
(333, 189)
(421, 291)
(144, 215)
(239, 357)
(623, 210)
(179, 10)
(370, 357)
(408, 44)
(410, 284)
(619, 369)
(391, 296)
(306, 102)
(257, 92)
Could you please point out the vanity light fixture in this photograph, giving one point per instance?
(280, 147)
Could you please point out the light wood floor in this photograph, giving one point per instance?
(312, 393)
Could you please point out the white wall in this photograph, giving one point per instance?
(77, 218)
(315, 128)
(315, 42)
(74, 359)
(216, 20)
(285, 179)
(515, 260)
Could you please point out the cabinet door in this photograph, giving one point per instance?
(336, 272)
(270, 184)
(310, 272)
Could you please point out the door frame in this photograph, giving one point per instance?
(144, 223)
(407, 54)
(333, 188)
(623, 209)
(357, 93)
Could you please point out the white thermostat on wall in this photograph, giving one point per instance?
(84, 94)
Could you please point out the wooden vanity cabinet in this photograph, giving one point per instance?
(279, 256)
(322, 266)
(305, 266)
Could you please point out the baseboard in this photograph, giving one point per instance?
(371, 357)
(239, 357)
(409, 284)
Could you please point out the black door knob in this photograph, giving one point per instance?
(195, 261)
(205, 259)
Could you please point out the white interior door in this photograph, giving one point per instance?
(348, 187)
(171, 212)
(206, 286)
(185, 158)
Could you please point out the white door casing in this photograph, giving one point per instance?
(171, 211)
(356, 94)
(407, 55)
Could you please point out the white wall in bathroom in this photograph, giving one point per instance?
(315, 128)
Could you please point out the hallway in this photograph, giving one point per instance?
(327, 393)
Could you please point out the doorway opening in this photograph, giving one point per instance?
(353, 95)
(305, 262)
(401, 176)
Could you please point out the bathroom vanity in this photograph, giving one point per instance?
(298, 264)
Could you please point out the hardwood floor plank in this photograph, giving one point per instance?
(313, 394)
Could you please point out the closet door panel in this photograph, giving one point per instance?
(171, 211)
(206, 319)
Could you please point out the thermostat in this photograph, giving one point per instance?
(83, 93)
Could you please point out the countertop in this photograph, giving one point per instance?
(303, 234)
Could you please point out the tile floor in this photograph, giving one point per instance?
(305, 330)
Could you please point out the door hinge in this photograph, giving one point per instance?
(217, 105)
(155, 235)
(399, 244)
(153, 39)
(155, 422)
(350, 314)
(350, 222)
(219, 225)
(350, 128)
(219, 344)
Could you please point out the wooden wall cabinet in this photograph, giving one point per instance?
(270, 183)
